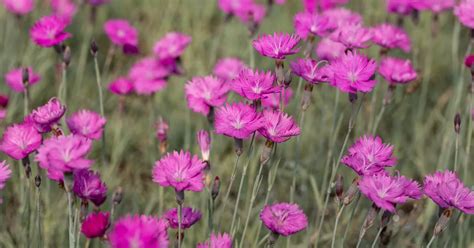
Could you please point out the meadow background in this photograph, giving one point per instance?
(419, 123)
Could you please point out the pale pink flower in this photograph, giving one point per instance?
(19, 140)
(204, 93)
(397, 71)
(46, 116)
(254, 85)
(189, 217)
(329, 50)
(278, 126)
(237, 120)
(122, 34)
(273, 100)
(228, 69)
(311, 24)
(217, 241)
(148, 76)
(121, 86)
(87, 123)
(339, 17)
(172, 45)
(277, 46)
(352, 36)
(49, 31)
(251, 13)
(310, 70)
(390, 37)
(204, 141)
(284, 218)
(14, 79)
(19, 7)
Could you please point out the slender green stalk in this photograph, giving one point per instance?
(378, 119)
(70, 216)
(377, 237)
(456, 152)
(38, 239)
(237, 201)
(227, 194)
(333, 241)
(361, 235)
(431, 241)
(101, 103)
(180, 210)
(354, 209)
(62, 90)
(26, 99)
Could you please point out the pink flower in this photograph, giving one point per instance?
(368, 156)
(251, 13)
(284, 218)
(64, 154)
(139, 231)
(312, 5)
(469, 61)
(387, 191)
(353, 72)
(64, 9)
(352, 36)
(89, 186)
(237, 120)
(278, 127)
(311, 24)
(5, 173)
(203, 93)
(329, 50)
(49, 31)
(204, 141)
(18, 7)
(446, 190)
(19, 140)
(340, 17)
(87, 123)
(121, 86)
(97, 3)
(397, 71)
(465, 13)
(277, 46)
(161, 132)
(435, 6)
(3, 114)
(254, 85)
(122, 34)
(228, 69)
(217, 241)
(391, 37)
(48, 115)
(402, 7)
(310, 70)
(4, 101)
(14, 79)
(172, 45)
(182, 171)
(273, 100)
(95, 224)
(189, 217)
(148, 76)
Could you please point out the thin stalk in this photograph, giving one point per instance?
(377, 237)
(361, 235)
(227, 194)
(101, 103)
(38, 218)
(431, 241)
(62, 90)
(251, 56)
(237, 201)
(108, 59)
(70, 215)
(354, 209)
(26, 100)
(180, 209)
(335, 226)
(456, 153)
(378, 119)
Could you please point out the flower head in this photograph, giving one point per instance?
(237, 120)
(202, 93)
(44, 117)
(273, 100)
(19, 140)
(5, 173)
(49, 31)
(435, 6)
(148, 76)
(329, 50)
(278, 126)
(19, 7)
(465, 13)
(204, 141)
(122, 34)
(232, 6)
(121, 86)
(87, 123)
(251, 13)
(310, 70)
(228, 69)
(339, 17)
(172, 45)
(402, 7)
(447, 190)
(95, 224)
(139, 231)
(254, 85)
(397, 71)
(182, 171)
(390, 37)
(469, 61)
(311, 24)
(312, 5)
(284, 218)
(14, 79)
(352, 35)
(89, 186)
(64, 9)
(217, 241)
(277, 46)
(189, 217)
(387, 191)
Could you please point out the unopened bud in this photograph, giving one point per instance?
(386, 216)
(210, 116)
(352, 97)
(215, 188)
(238, 144)
(38, 181)
(118, 195)
(457, 123)
(67, 56)
(179, 197)
(443, 221)
(279, 71)
(288, 78)
(306, 98)
(371, 215)
(94, 48)
(25, 73)
(339, 187)
(351, 192)
(266, 152)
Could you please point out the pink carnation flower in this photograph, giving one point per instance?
(203, 93)
(182, 171)
(19, 7)
(251, 13)
(87, 123)
(387, 191)
(277, 46)
(340, 17)
(469, 61)
(231, 6)
(14, 79)
(369, 156)
(189, 217)
(329, 50)
(435, 6)
(284, 218)
(228, 69)
(48, 115)
(122, 34)
(273, 100)
(49, 31)
(402, 7)
(148, 76)
(310, 70)
(237, 120)
(89, 187)
(254, 85)
(121, 86)
(217, 241)
(391, 37)
(465, 13)
(353, 72)
(64, 9)
(352, 36)
(5, 173)
(172, 45)
(447, 190)
(139, 231)
(95, 224)
(204, 141)
(19, 140)
(311, 24)
(397, 71)
(278, 127)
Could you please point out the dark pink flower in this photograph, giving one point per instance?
(273, 100)
(237, 120)
(64, 9)
(121, 86)
(87, 123)
(189, 217)
(397, 71)
(352, 36)
(19, 7)
(49, 31)
(97, 3)
(202, 93)
(5, 173)
(95, 224)
(402, 7)
(148, 76)
(89, 187)
(122, 33)
(182, 171)
(278, 127)
(329, 50)
(368, 156)
(139, 231)
(254, 85)
(387, 191)
(204, 141)
(311, 24)
(469, 61)
(14, 79)
(447, 190)
(340, 17)
(390, 37)
(435, 6)
(217, 241)
(312, 5)
(172, 45)
(19, 140)
(284, 218)
(48, 115)
(228, 69)
(277, 46)
(4, 99)
(251, 13)
(465, 13)
(310, 70)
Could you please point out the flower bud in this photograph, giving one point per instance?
(117, 197)
(352, 97)
(370, 218)
(25, 76)
(339, 187)
(443, 221)
(288, 78)
(215, 188)
(67, 56)
(351, 192)
(204, 141)
(179, 197)
(266, 152)
(38, 181)
(94, 48)
(238, 144)
(457, 123)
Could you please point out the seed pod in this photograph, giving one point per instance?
(67, 56)
(38, 181)
(266, 152)
(117, 197)
(215, 188)
(238, 144)
(339, 187)
(443, 221)
(94, 48)
(457, 123)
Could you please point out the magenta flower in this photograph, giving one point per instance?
(284, 218)
(231, 6)
(95, 224)
(465, 13)
(329, 50)
(14, 79)
(251, 13)
(172, 45)
(203, 93)
(89, 186)
(64, 9)
(19, 140)
(18, 7)
(49, 31)
(435, 6)
(217, 241)
(97, 3)
(48, 115)
(353, 72)
(182, 171)
(273, 100)
(139, 231)
(5, 173)
(121, 86)
(402, 7)
(189, 217)
(64, 154)
(277, 46)
(228, 69)
(148, 76)
(312, 5)
(311, 24)
(391, 37)
(278, 127)
(352, 36)
(340, 17)
(237, 120)
(447, 190)
(368, 156)
(87, 123)
(397, 71)
(387, 191)
(204, 141)
(469, 61)
(4, 99)
(254, 85)
(310, 70)
(122, 34)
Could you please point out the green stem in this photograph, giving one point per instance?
(180, 209)
(431, 241)
(101, 103)
(227, 194)
(70, 215)
(378, 119)
(456, 152)
(377, 237)
(335, 226)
